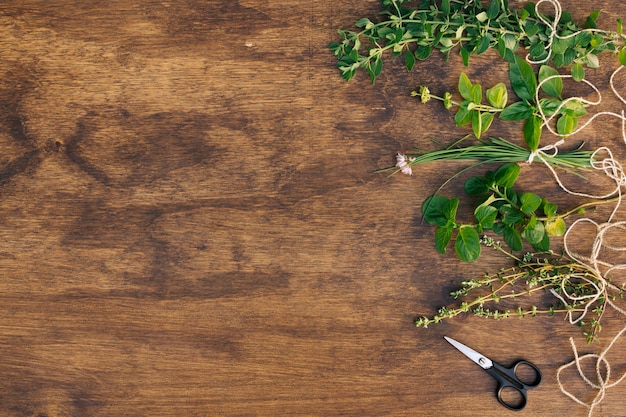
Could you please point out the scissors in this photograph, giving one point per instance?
(508, 380)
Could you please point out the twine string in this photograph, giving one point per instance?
(604, 161)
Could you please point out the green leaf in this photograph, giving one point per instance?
(375, 68)
(549, 209)
(465, 55)
(445, 6)
(465, 87)
(486, 120)
(463, 115)
(364, 22)
(566, 124)
(574, 108)
(513, 238)
(555, 227)
(440, 211)
(522, 79)
(592, 60)
(549, 105)
(532, 132)
(486, 216)
(519, 110)
(538, 51)
(497, 96)
(590, 22)
(510, 215)
(476, 93)
(467, 244)
(477, 123)
(530, 202)
(481, 17)
(543, 245)
(442, 238)
(620, 28)
(534, 232)
(483, 44)
(409, 60)
(622, 56)
(423, 52)
(554, 86)
(494, 9)
(476, 186)
(506, 175)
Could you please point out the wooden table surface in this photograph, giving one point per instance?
(191, 226)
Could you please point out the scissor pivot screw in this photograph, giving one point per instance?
(482, 361)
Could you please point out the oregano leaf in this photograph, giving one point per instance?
(507, 174)
(467, 244)
(530, 202)
(513, 238)
(486, 216)
(442, 238)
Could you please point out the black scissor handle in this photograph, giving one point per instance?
(508, 380)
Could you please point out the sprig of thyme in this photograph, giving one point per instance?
(473, 29)
(497, 296)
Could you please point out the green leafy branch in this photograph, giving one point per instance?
(524, 83)
(473, 29)
(515, 216)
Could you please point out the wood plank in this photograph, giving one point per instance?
(190, 223)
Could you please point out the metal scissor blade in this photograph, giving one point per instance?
(476, 357)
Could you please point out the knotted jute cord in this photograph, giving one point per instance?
(604, 161)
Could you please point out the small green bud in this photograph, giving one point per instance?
(424, 94)
(447, 100)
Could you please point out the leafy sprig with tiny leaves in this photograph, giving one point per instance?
(497, 296)
(515, 216)
(473, 29)
(524, 83)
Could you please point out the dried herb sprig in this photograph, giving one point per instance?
(472, 28)
(498, 296)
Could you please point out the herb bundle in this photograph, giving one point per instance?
(473, 29)
(576, 286)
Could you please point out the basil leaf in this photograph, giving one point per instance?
(554, 86)
(532, 132)
(517, 111)
(566, 124)
(578, 72)
(522, 79)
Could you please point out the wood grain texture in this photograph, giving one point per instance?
(190, 225)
